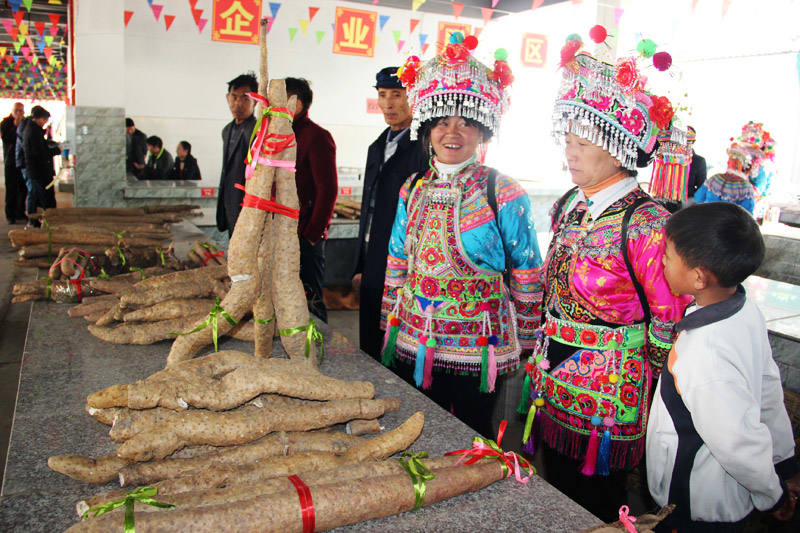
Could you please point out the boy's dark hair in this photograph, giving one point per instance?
(186, 146)
(248, 79)
(721, 237)
(155, 141)
(129, 122)
(39, 112)
(300, 88)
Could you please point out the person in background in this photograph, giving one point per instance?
(719, 440)
(697, 168)
(733, 185)
(235, 145)
(16, 191)
(316, 191)
(38, 162)
(135, 148)
(391, 159)
(159, 160)
(185, 166)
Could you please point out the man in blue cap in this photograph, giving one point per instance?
(391, 159)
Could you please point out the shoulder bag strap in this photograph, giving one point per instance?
(626, 219)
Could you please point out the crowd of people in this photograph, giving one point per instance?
(146, 157)
(28, 150)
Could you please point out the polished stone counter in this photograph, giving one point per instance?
(63, 363)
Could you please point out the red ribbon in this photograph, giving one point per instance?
(208, 255)
(256, 202)
(77, 283)
(511, 462)
(306, 504)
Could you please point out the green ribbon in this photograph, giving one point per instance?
(49, 239)
(269, 111)
(419, 473)
(142, 495)
(312, 335)
(263, 322)
(139, 270)
(103, 274)
(160, 253)
(47, 289)
(213, 320)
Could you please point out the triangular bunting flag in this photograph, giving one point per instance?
(333, 27)
(48, 53)
(422, 38)
(425, 48)
(486, 13)
(618, 11)
(725, 5)
(494, 3)
(303, 25)
(292, 33)
(270, 20)
(415, 4)
(14, 4)
(16, 44)
(694, 4)
(8, 26)
(476, 31)
(412, 24)
(149, 2)
(54, 29)
(400, 45)
(274, 7)
(19, 16)
(320, 35)
(396, 34)
(201, 25)
(168, 20)
(54, 18)
(26, 52)
(311, 12)
(28, 4)
(48, 40)
(128, 15)
(196, 14)
(156, 10)
(458, 7)
(3, 51)
(40, 45)
(192, 4)
(382, 20)
(14, 34)
(536, 3)
(23, 29)
(39, 25)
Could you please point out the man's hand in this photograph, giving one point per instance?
(787, 509)
(138, 165)
(356, 281)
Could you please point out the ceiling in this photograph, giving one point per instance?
(472, 8)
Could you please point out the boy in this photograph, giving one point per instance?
(719, 441)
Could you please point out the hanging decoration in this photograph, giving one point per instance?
(128, 15)
(354, 32)
(458, 7)
(237, 21)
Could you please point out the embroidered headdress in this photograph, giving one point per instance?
(670, 178)
(754, 135)
(608, 104)
(456, 84)
(744, 159)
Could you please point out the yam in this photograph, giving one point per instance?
(168, 310)
(145, 333)
(86, 469)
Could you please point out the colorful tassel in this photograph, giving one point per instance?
(524, 399)
(391, 341)
(419, 366)
(590, 462)
(483, 342)
(430, 352)
(604, 454)
(532, 424)
(492, 377)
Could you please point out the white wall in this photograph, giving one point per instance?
(176, 80)
(99, 53)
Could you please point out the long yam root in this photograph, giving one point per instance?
(86, 469)
(146, 333)
(168, 310)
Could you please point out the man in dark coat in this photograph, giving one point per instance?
(697, 168)
(185, 166)
(317, 185)
(16, 190)
(235, 144)
(159, 160)
(135, 148)
(38, 162)
(391, 159)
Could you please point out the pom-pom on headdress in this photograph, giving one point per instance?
(608, 104)
(744, 158)
(456, 84)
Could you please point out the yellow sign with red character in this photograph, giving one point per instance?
(354, 32)
(446, 29)
(533, 52)
(236, 21)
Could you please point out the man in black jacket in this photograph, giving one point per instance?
(159, 160)
(697, 168)
(135, 148)
(391, 159)
(185, 166)
(38, 156)
(235, 144)
(15, 183)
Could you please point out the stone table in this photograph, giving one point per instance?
(63, 363)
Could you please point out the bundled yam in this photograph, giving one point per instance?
(204, 275)
(183, 290)
(169, 309)
(363, 427)
(26, 237)
(245, 425)
(263, 309)
(43, 250)
(226, 379)
(62, 291)
(118, 211)
(120, 282)
(143, 333)
(204, 253)
(86, 469)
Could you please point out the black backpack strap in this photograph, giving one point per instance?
(558, 208)
(491, 193)
(626, 220)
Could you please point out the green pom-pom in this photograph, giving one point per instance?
(574, 37)
(431, 342)
(457, 37)
(646, 47)
(501, 54)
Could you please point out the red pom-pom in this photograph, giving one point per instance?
(394, 321)
(482, 340)
(456, 53)
(662, 61)
(598, 34)
(569, 50)
(471, 42)
(503, 76)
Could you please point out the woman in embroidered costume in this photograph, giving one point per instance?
(608, 311)
(452, 325)
(734, 186)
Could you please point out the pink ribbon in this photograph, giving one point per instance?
(627, 520)
(487, 448)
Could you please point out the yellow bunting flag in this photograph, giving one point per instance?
(415, 4)
(304, 26)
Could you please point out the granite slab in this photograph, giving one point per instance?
(62, 364)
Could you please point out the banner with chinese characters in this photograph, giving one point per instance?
(533, 52)
(445, 29)
(354, 32)
(236, 21)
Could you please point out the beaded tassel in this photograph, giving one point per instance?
(419, 365)
(483, 342)
(524, 400)
(488, 360)
(430, 352)
(590, 462)
(390, 337)
(604, 454)
(532, 423)
(423, 369)
(493, 340)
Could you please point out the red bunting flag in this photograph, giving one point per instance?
(156, 10)
(477, 31)
(486, 13)
(494, 3)
(18, 16)
(48, 52)
(39, 27)
(413, 23)
(128, 15)
(536, 3)
(54, 18)
(197, 14)
(14, 34)
(311, 12)
(458, 7)
(168, 20)
(193, 3)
